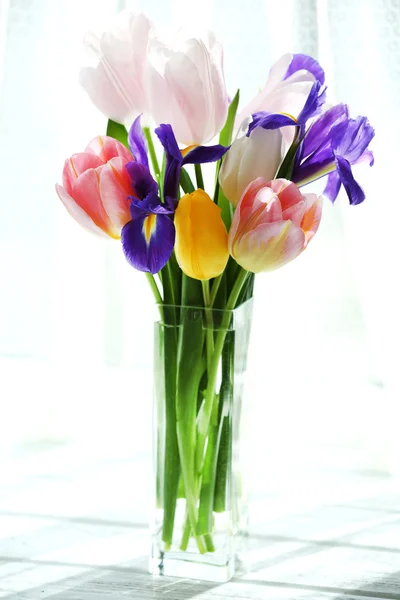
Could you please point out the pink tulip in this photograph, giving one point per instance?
(116, 85)
(96, 186)
(186, 88)
(272, 224)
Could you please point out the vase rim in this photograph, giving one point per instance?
(241, 306)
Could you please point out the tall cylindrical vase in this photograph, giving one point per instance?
(200, 505)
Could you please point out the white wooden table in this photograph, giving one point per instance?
(73, 527)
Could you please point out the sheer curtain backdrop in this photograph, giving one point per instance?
(76, 320)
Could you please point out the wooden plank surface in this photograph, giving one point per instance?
(73, 527)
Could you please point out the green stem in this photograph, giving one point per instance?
(185, 182)
(212, 374)
(215, 288)
(154, 288)
(204, 524)
(199, 176)
(209, 321)
(225, 446)
(186, 535)
(152, 151)
(172, 468)
(190, 368)
(171, 450)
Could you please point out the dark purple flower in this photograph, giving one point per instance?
(149, 238)
(332, 144)
(176, 158)
(142, 181)
(312, 107)
(303, 62)
(137, 142)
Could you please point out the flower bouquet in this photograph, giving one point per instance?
(201, 245)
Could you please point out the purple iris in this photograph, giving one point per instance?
(176, 159)
(149, 238)
(312, 107)
(303, 62)
(332, 144)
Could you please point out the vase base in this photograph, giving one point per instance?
(196, 567)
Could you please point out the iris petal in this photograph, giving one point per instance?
(204, 154)
(173, 162)
(142, 182)
(137, 142)
(353, 189)
(302, 62)
(270, 121)
(148, 241)
(332, 188)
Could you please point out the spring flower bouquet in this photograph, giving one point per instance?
(200, 246)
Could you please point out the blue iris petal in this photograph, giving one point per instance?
(204, 154)
(270, 121)
(317, 137)
(149, 238)
(333, 186)
(175, 160)
(335, 141)
(141, 179)
(137, 142)
(354, 140)
(312, 107)
(353, 189)
(302, 61)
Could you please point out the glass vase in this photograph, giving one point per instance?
(200, 505)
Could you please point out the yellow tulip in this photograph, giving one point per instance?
(201, 244)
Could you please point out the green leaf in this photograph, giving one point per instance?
(226, 209)
(118, 132)
(185, 182)
(286, 169)
(225, 137)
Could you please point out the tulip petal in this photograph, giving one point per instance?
(268, 247)
(249, 202)
(104, 94)
(115, 188)
(116, 85)
(77, 164)
(312, 216)
(78, 213)
(148, 241)
(172, 77)
(258, 155)
(107, 148)
(137, 142)
(86, 193)
(201, 238)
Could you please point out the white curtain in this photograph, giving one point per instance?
(76, 320)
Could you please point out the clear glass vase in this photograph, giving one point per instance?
(200, 504)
